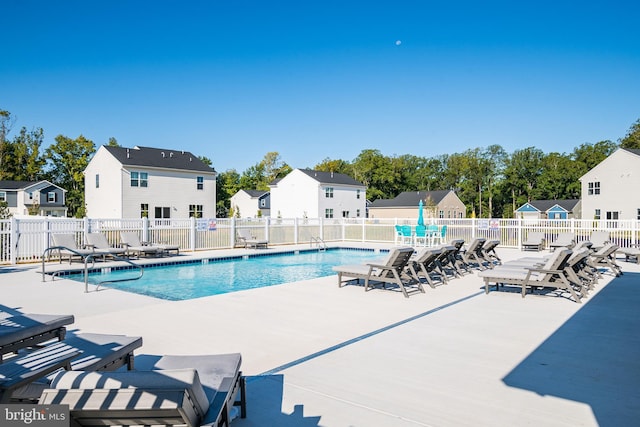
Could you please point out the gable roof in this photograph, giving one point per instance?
(158, 158)
(23, 185)
(331, 177)
(255, 193)
(410, 199)
(635, 151)
(544, 205)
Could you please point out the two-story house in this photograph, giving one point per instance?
(305, 193)
(148, 182)
(251, 203)
(436, 204)
(610, 189)
(33, 198)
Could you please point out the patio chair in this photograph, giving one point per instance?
(27, 330)
(606, 257)
(447, 262)
(425, 264)
(168, 390)
(439, 238)
(599, 239)
(551, 274)
(25, 377)
(135, 247)
(564, 240)
(473, 254)
(99, 243)
(421, 235)
(69, 248)
(249, 241)
(489, 253)
(630, 254)
(535, 240)
(392, 270)
(433, 233)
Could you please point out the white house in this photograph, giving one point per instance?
(251, 203)
(148, 182)
(437, 204)
(611, 189)
(33, 198)
(306, 193)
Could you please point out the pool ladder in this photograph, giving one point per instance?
(322, 246)
(90, 257)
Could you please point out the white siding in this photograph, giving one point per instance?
(106, 201)
(619, 178)
(247, 205)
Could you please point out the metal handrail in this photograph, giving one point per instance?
(91, 257)
(322, 246)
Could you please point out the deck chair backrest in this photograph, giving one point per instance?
(577, 257)
(600, 238)
(421, 230)
(558, 259)
(65, 240)
(399, 257)
(606, 250)
(491, 245)
(476, 244)
(130, 238)
(245, 233)
(565, 239)
(535, 236)
(427, 256)
(98, 240)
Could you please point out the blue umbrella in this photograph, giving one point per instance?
(420, 216)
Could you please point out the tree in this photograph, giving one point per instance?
(4, 210)
(521, 174)
(227, 184)
(559, 178)
(338, 166)
(26, 161)
(632, 138)
(496, 157)
(67, 160)
(113, 142)
(6, 122)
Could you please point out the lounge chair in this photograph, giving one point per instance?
(447, 260)
(552, 274)
(249, 241)
(630, 254)
(599, 239)
(425, 264)
(605, 257)
(26, 376)
(564, 240)
(27, 330)
(473, 254)
(99, 243)
(135, 247)
(67, 247)
(489, 253)
(170, 390)
(392, 270)
(535, 240)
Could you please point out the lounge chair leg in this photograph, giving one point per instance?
(243, 397)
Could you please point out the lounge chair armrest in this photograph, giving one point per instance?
(384, 267)
(542, 270)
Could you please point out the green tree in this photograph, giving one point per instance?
(338, 166)
(227, 184)
(496, 158)
(4, 210)
(632, 138)
(67, 160)
(522, 171)
(589, 155)
(26, 160)
(113, 142)
(6, 122)
(559, 178)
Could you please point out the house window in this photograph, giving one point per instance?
(638, 214)
(139, 179)
(328, 193)
(328, 213)
(357, 194)
(162, 212)
(195, 211)
(612, 215)
(440, 214)
(51, 197)
(345, 214)
(597, 214)
(144, 210)
(263, 203)
(593, 188)
(3, 196)
(358, 213)
(30, 195)
(97, 180)
(200, 183)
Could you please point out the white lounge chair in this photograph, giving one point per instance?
(134, 246)
(425, 264)
(99, 243)
(249, 241)
(392, 270)
(68, 247)
(169, 390)
(564, 240)
(26, 330)
(599, 238)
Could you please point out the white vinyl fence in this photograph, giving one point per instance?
(24, 239)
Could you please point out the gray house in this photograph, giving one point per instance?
(437, 204)
(33, 198)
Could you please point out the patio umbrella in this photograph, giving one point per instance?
(420, 216)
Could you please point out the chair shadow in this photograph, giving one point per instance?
(264, 405)
(593, 357)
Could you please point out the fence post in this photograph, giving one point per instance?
(86, 227)
(192, 233)
(519, 233)
(364, 230)
(232, 232)
(295, 230)
(267, 226)
(145, 229)
(14, 240)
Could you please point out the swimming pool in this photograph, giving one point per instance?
(218, 276)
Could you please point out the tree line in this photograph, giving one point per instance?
(490, 181)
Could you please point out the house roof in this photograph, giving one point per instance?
(635, 151)
(331, 177)
(410, 199)
(255, 193)
(158, 158)
(22, 185)
(544, 205)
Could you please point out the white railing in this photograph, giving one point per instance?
(24, 239)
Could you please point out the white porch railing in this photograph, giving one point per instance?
(24, 239)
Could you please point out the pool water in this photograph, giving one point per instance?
(213, 277)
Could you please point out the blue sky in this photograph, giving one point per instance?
(233, 80)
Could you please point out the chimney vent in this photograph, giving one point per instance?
(163, 154)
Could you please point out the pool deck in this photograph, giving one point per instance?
(319, 355)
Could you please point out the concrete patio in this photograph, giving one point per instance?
(319, 355)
